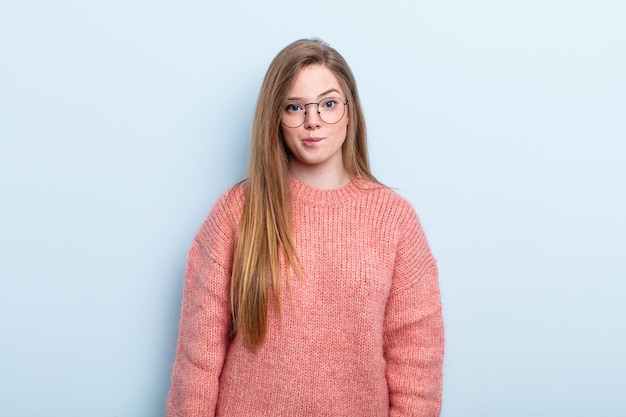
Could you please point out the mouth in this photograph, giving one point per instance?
(311, 140)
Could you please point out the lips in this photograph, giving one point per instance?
(311, 140)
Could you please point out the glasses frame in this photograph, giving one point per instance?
(345, 103)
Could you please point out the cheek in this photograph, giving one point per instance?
(343, 129)
(289, 138)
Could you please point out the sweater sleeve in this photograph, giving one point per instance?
(205, 324)
(413, 333)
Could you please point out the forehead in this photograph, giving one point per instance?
(314, 81)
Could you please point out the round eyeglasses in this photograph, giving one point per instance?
(330, 111)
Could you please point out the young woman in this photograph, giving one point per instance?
(310, 289)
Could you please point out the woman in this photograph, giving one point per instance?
(310, 289)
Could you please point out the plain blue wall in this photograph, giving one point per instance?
(504, 123)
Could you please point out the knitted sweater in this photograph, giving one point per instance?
(360, 333)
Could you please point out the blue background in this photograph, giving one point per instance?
(502, 122)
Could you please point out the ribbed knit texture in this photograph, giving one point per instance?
(360, 334)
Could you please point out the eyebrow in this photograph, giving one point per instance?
(323, 94)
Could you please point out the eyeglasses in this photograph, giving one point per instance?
(330, 111)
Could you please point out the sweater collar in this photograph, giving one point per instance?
(304, 193)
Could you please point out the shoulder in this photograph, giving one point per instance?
(231, 202)
(413, 257)
(389, 202)
(223, 219)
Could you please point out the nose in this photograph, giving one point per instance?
(312, 118)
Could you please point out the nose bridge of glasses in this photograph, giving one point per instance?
(308, 104)
(307, 117)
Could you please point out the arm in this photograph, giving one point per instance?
(205, 324)
(414, 328)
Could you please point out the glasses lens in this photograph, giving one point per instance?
(293, 114)
(331, 110)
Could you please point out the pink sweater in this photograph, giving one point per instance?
(360, 334)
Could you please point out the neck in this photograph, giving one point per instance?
(326, 179)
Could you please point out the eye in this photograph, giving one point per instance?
(329, 103)
(294, 107)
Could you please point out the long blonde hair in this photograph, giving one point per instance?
(264, 233)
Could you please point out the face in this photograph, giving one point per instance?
(315, 146)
